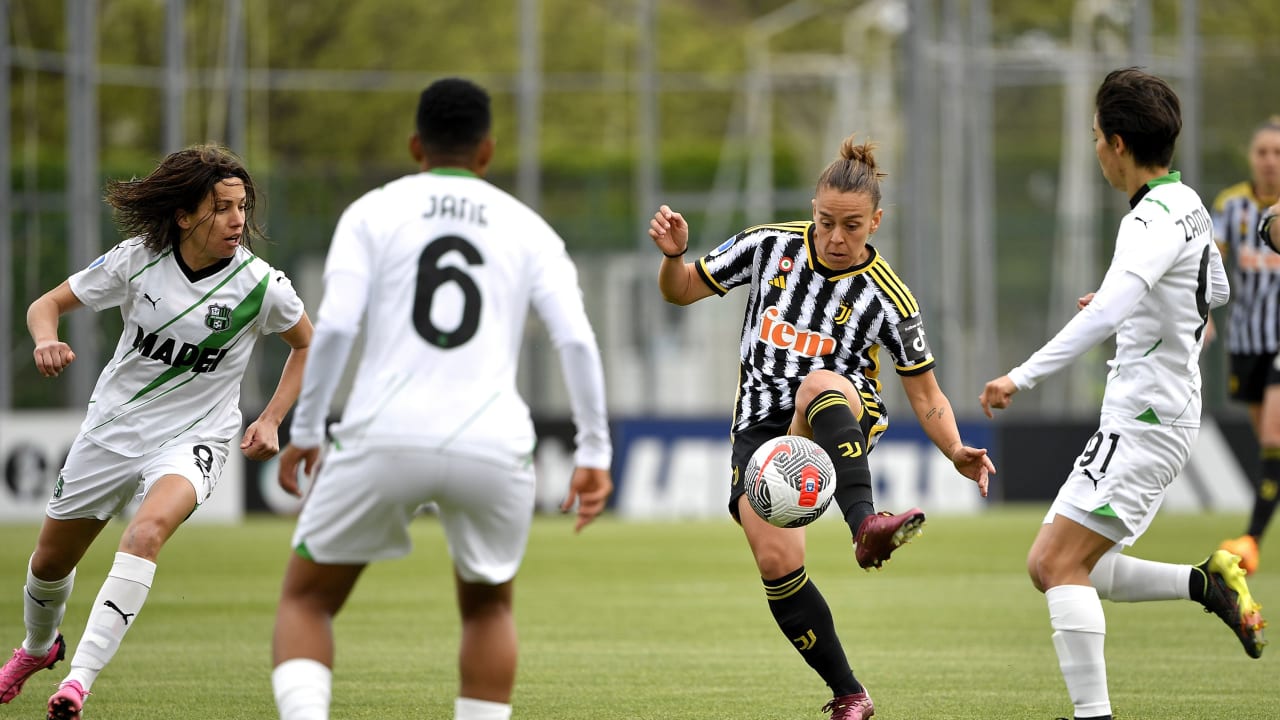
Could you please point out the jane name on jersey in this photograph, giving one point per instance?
(457, 208)
(200, 360)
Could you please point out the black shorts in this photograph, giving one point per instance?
(746, 442)
(1250, 375)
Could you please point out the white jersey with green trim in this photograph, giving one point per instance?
(450, 266)
(1167, 240)
(176, 372)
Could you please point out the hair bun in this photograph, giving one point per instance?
(861, 152)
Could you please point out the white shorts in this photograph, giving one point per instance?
(1119, 480)
(362, 501)
(97, 482)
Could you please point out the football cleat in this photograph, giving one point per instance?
(850, 707)
(22, 666)
(67, 703)
(1227, 595)
(879, 535)
(1246, 546)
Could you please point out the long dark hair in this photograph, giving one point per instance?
(148, 207)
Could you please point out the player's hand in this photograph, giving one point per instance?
(974, 464)
(1083, 302)
(52, 357)
(591, 487)
(287, 476)
(669, 231)
(261, 440)
(998, 394)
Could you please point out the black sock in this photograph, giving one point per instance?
(803, 616)
(1199, 581)
(1264, 498)
(836, 431)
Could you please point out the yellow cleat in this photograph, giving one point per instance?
(1227, 596)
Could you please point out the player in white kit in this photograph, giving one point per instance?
(194, 300)
(1164, 276)
(439, 268)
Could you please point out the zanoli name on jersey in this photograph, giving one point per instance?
(187, 338)
(1166, 239)
(803, 316)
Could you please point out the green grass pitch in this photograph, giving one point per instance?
(662, 620)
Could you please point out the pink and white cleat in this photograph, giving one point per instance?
(879, 535)
(23, 665)
(850, 707)
(67, 703)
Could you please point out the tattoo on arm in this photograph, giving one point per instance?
(935, 411)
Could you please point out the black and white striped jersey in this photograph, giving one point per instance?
(1254, 326)
(804, 316)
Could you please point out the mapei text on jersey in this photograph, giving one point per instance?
(201, 360)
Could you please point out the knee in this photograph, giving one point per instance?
(49, 567)
(776, 561)
(478, 601)
(820, 381)
(144, 538)
(1034, 571)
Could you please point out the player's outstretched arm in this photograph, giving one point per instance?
(933, 411)
(52, 356)
(590, 488)
(997, 395)
(678, 280)
(262, 437)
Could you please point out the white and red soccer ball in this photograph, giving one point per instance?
(790, 481)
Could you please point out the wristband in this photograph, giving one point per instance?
(679, 254)
(1264, 228)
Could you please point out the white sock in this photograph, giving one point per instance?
(44, 602)
(115, 610)
(472, 709)
(1123, 578)
(302, 688)
(1080, 629)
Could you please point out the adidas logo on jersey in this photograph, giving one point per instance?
(200, 360)
(782, 334)
(779, 282)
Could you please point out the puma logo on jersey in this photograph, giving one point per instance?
(167, 351)
(148, 298)
(782, 334)
(1145, 223)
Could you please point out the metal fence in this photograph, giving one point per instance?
(995, 235)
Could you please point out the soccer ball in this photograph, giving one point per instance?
(790, 481)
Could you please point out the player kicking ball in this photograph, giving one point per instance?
(823, 304)
(1164, 276)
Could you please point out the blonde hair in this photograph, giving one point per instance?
(854, 171)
